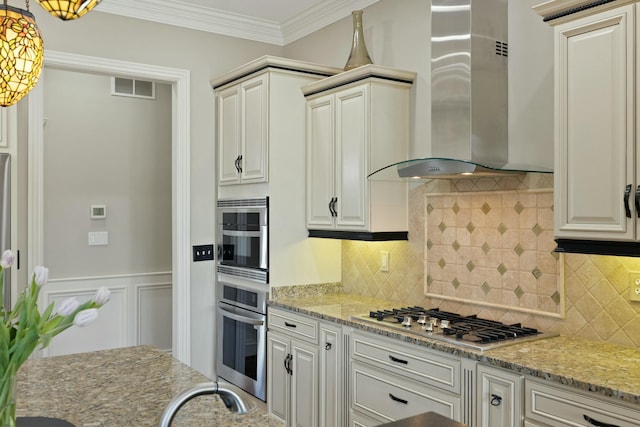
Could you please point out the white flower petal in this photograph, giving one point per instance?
(40, 275)
(102, 296)
(67, 307)
(84, 317)
(7, 259)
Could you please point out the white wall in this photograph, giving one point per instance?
(105, 150)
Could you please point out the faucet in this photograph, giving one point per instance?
(231, 398)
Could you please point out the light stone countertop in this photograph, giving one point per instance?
(122, 387)
(607, 369)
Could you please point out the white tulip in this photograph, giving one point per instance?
(40, 275)
(84, 317)
(102, 296)
(67, 307)
(6, 261)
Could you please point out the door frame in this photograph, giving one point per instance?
(179, 80)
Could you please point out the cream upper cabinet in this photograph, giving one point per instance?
(595, 155)
(260, 114)
(243, 142)
(337, 159)
(356, 123)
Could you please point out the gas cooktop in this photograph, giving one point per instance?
(466, 331)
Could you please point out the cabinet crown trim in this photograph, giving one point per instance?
(559, 11)
(275, 63)
(358, 74)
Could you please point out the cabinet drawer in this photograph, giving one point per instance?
(383, 395)
(293, 325)
(412, 361)
(558, 406)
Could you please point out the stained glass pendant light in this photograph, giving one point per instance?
(21, 53)
(68, 9)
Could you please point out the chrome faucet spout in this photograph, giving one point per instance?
(230, 397)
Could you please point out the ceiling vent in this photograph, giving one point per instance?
(133, 88)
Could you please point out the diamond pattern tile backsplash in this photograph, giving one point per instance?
(493, 248)
(595, 299)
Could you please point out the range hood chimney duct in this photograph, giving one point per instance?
(469, 94)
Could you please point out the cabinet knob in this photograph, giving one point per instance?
(328, 346)
(496, 400)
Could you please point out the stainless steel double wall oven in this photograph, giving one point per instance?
(242, 292)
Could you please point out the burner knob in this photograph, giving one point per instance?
(407, 322)
(423, 320)
(444, 323)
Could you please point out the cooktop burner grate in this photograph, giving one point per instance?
(467, 331)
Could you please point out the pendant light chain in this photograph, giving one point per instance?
(26, 2)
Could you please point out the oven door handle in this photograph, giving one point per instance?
(239, 318)
(235, 233)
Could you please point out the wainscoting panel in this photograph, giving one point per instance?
(154, 315)
(139, 312)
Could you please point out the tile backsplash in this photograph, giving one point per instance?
(595, 303)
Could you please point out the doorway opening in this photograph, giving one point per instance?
(180, 181)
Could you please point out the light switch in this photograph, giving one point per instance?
(97, 238)
(384, 261)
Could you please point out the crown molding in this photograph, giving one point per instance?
(319, 16)
(181, 14)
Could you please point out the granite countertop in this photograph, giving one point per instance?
(607, 369)
(121, 387)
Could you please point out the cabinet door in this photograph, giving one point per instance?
(331, 388)
(228, 133)
(278, 379)
(595, 126)
(254, 139)
(500, 402)
(320, 161)
(304, 385)
(352, 125)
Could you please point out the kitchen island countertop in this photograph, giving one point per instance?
(603, 368)
(121, 387)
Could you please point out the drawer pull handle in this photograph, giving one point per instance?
(397, 399)
(597, 423)
(290, 325)
(496, 400)
(395, 359)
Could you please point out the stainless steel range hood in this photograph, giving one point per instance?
(469, 95)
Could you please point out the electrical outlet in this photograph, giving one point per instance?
(203, 253)
(634, 286)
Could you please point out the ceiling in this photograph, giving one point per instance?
(270, 21)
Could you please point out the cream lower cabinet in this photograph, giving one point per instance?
(391, 380)
(500, 398)
(596, 137)
(555, 405)
(356, 123)
(305, 370)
